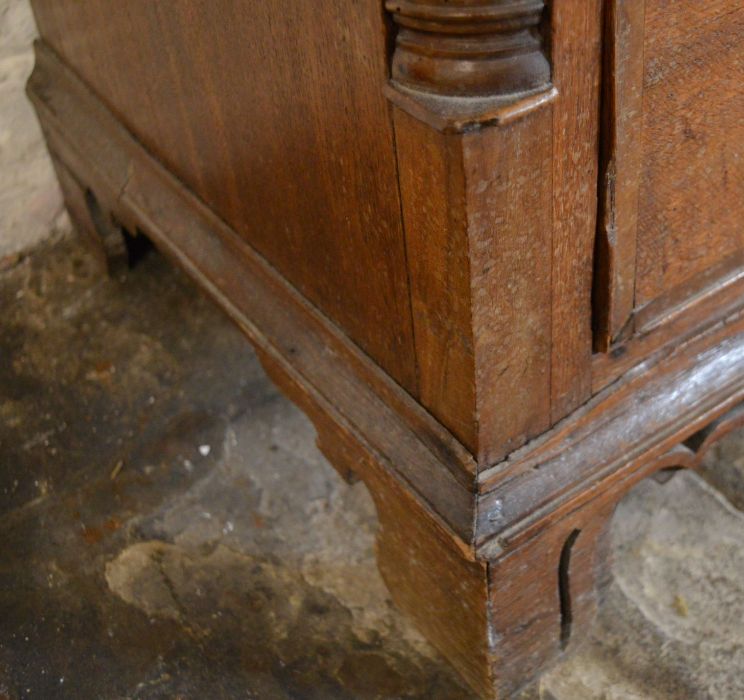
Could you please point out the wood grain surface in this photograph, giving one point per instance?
(615, 435)
(673, 173)
(621, 155)
(432, 185)
(82, 133)
(576, 55)
(279, 125)
(692, 177)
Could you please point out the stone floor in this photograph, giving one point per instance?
(150, 548)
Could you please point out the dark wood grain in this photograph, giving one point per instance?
(471, 48)
(292, 148)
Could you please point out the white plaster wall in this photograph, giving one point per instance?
(30, 201)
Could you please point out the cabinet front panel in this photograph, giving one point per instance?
(691, 188)
(273, 113)
(669, 258)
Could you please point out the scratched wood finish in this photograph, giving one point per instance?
(508, 202)
(497, 604)
(477, 247)
(544, 591)
(424, 546)
(612, 437)
(292, 148)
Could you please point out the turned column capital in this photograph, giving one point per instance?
(469, 48)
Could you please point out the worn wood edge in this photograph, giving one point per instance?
(617, 481)
(712, 375)
(579, 424)
(577, 38)
(688, 453)
(460, 114)
(531, 628)
(622, 99)
(318, 408)
(724, 279)
(676, 317)
(82, 130)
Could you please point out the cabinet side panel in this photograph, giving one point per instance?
(692, 178)
(273, 114)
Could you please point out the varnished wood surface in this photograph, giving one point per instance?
(88, 139)
(274, 115)
(673, 174)
(576, 54)
(692, 178)
(472, 48)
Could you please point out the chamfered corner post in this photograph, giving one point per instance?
(472, 104)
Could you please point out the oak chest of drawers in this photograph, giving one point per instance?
(493, 248)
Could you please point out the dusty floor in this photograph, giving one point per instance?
(150, 548)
